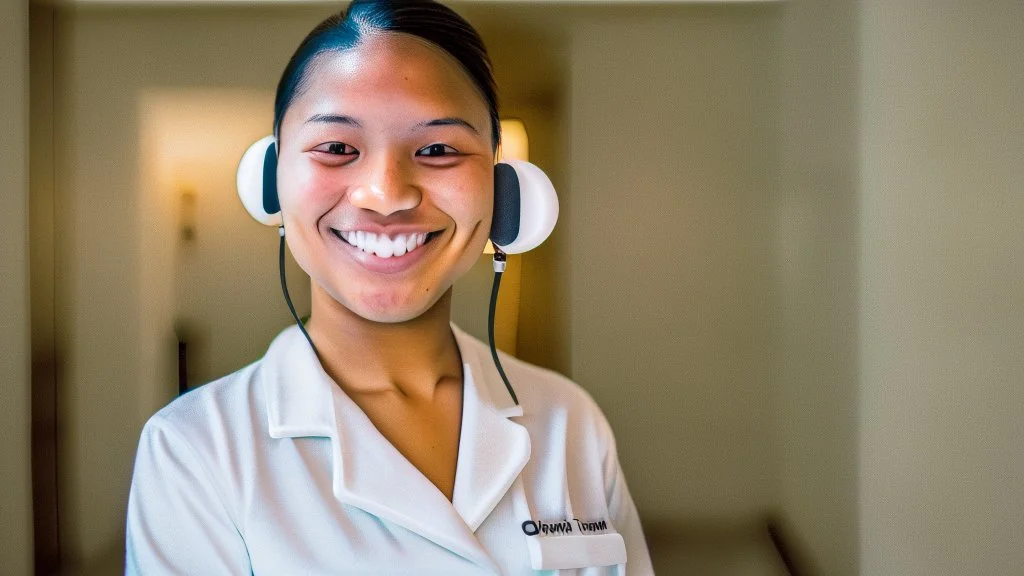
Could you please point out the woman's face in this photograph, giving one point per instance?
(385, 176)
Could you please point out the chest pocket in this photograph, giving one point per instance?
(576, 551)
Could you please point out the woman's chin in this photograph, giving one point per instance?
(390, 316)
(382, 303)
(390, 308)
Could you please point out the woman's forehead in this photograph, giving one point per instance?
(392, 73)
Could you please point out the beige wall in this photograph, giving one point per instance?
(672, 158)
(15, 464)
(812, 286)
(942, 287)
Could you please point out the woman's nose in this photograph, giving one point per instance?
(386, 187)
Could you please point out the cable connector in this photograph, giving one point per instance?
(499, 260)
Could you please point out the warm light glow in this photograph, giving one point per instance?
(514, 145)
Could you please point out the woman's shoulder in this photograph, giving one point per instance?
(237, 400)
(543, 393)
(545, 388)
(222, 411)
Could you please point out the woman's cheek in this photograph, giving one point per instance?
(307, 193)
(321, 183)
(471, 199)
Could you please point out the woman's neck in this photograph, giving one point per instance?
(367, 358)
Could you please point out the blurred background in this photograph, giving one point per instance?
(789, 264)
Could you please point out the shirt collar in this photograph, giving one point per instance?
(299, 392)
(302, 400)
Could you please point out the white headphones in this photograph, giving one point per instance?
(525, 202)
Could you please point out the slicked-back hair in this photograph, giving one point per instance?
(426, 19)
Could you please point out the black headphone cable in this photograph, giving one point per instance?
(499, 267)
(284, 288)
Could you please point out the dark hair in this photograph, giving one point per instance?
(425, 19)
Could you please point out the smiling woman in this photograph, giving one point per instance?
(386, 443)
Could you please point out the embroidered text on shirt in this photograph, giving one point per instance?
(534, 527)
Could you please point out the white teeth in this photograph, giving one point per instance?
(382, 245)
(398, 245)
(385, 248)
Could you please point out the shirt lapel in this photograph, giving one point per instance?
(492, 449)
(371, 474)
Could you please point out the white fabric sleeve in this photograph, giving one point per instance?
(178, 522)
(623, 511)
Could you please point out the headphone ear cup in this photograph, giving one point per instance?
(257, 182)
(525, 207)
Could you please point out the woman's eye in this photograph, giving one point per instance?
(336, 148)
(436, 150)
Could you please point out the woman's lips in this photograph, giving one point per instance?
(390, 264)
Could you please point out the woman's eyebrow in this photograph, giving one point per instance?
(448, 121)
(350, 121)
(334, 119)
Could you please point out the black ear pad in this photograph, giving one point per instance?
(507, 208)
(271, 204)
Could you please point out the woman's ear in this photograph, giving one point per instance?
(525, 207)
(257, 181)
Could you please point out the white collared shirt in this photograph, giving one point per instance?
(274, 470)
